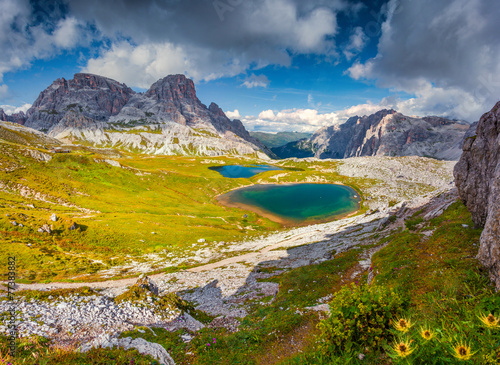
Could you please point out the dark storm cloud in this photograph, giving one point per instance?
(207, 39)
(261, 28)
(446, 52)
(34, 30)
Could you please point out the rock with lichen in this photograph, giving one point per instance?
(477, 176)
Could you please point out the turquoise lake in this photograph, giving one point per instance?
(238, 171)
(295, 204)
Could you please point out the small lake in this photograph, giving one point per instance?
(295, 204)
(238, 171)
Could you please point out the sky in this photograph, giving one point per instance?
(278, 65)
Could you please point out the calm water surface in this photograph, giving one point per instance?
(237, 171)
(295, 203)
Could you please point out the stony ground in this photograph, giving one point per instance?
(226, 280)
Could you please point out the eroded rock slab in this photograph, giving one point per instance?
(477, 177)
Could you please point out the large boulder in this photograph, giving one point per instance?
(155, 350)
(477, 176)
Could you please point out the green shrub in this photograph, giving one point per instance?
(360, 317)
(411, 224)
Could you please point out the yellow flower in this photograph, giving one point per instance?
(403, 348)
(426, 334)
(462, 351)
(489, 321)
(403, 325)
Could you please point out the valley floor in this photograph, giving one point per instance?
(222, 289)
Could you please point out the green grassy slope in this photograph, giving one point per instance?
(127, 206)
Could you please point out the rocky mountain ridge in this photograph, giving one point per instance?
(19, 118)
(385, 133)
(279, 139)
(166, 119)
(477, 176)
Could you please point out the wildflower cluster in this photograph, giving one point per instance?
(208, 343)
(430, 344)
(489, 321)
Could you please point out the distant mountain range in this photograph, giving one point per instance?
(166, 119)
(169, 119)
(385, 133)
(279, 139)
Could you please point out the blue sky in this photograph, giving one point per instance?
(274, 64)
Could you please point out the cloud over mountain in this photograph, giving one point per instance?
(447, 56)
(190, 36)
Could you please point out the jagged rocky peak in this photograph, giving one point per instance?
(383, 133)
(173, 88)
(167, 119)
(477, 176)
(94, 96)
(214, 108)
(18, 118)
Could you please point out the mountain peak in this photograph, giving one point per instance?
(215, 109)
(173, 87)
(95, 96)
(386, 132)
(82, 108)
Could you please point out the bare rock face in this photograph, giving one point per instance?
(19, 118)
(3, 116)
(94, 96)
(167, 119)
(477, 177)
(385, 133)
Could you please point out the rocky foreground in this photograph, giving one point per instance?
(223, 289)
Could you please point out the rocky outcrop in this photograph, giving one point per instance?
(144, 347)
(19, 118)
(3, 116)
(279, 139)
(477, 177)
(385, 133)
(167, 119)
(95, 97)
(471, 132)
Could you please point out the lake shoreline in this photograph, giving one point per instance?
(225, 200)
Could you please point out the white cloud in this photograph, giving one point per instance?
(363, 109)
(311, 103)
(310, 99)
(300, 120)
(360, 71)
(233, 114)
(310, 120)
(4, 90)
(9, 109)
(267, 114)
(357, 42)
(22, 41)
(142, 65)
(190, 38)
(256, 81)
(67, 33)
(447, 57)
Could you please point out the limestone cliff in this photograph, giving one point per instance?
(167, 119)
(385, 133)
(477, 176)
